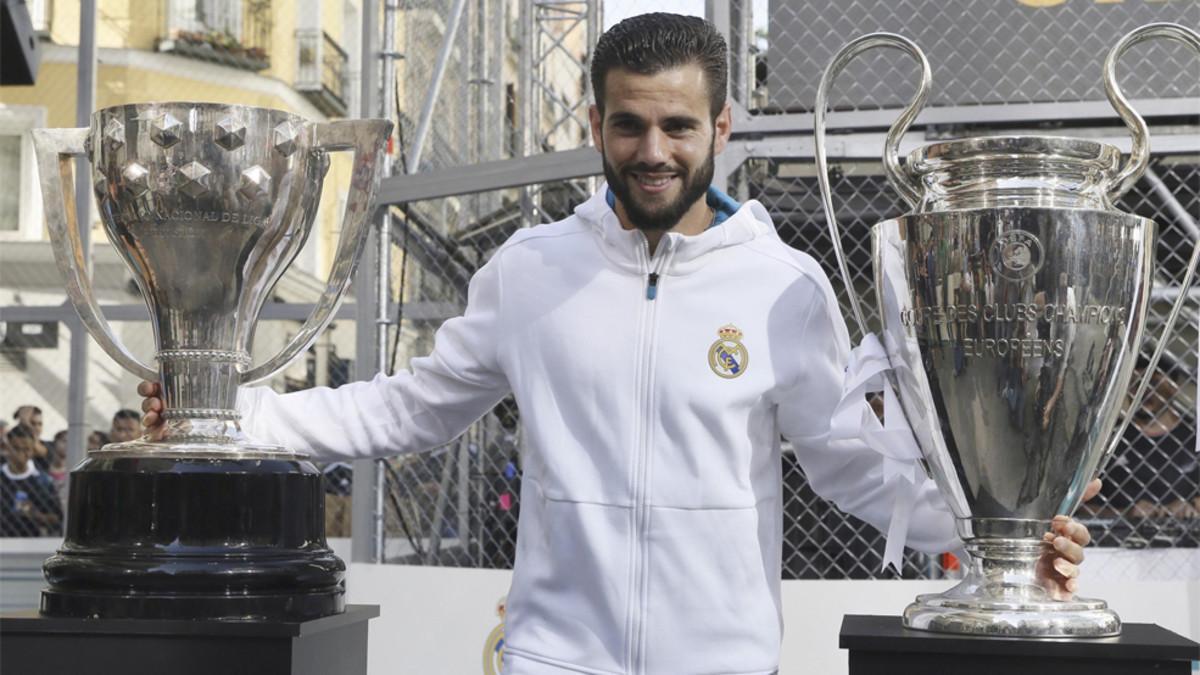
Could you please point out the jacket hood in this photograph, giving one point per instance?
(687, 253)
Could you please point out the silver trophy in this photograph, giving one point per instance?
(1013, 299)
(208, 204)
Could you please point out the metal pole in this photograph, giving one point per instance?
(718, 13)
(527, 121)
(364, 500)
(85, 100)
(383, 294)
(435, 85)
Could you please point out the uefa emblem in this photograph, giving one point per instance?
(728, 356)
(1016, 255)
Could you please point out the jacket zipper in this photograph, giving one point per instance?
(655, 265)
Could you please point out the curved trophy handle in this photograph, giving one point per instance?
(1148, 376)
(1139, 159)
(366, 138)
(1139, 155)
(55, 148)
(899, 178)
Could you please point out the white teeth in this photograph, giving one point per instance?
(653, 182)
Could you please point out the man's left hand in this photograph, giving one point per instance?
(1058, 567)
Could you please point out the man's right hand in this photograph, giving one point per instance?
(152, 404)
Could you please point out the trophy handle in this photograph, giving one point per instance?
(1139, 155)
(55, 148)
(1139, 158)
(909, 189)
(366, 138)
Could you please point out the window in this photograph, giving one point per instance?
(20, 209)
(10, 174)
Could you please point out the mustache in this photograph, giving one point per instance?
(646, 168)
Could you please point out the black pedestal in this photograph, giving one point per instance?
(39, 645)
(160, 537)
(880, 645)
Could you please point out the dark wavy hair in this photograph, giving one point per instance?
(650, 43)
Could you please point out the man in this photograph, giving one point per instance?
(658, 343)
(29, 505)
(29, 417)
(125, 426)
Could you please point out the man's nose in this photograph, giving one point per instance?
(653, 148)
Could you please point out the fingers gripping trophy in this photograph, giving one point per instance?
(208, 204)
(1013, 298)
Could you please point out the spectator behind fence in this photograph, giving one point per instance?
(30, 417)
(1155, 472)
(3, 442)
(126, 426)
(96, 440)
(29, 505)
(58, 471)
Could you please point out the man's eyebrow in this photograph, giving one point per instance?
(682, 121)
(624, 117)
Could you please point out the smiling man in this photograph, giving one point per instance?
(659, 343)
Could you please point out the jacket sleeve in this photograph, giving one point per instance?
(410, 411)
(848, 472)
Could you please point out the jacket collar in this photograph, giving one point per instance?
(626, 247)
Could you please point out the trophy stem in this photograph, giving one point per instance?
(201, 383)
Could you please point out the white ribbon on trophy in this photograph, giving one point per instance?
(853, 419)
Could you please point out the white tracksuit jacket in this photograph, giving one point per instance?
(651, 504)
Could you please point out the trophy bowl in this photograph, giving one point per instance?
(208, 204)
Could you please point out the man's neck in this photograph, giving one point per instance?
(694, 221)
(15, 472)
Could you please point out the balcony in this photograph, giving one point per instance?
(321, 71)
(235, 33)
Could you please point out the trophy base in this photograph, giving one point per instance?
(1078, 618)
(197, 438)
(157, 537)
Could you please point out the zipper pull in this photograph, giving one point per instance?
(652, 287)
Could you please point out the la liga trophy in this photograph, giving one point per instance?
(1013, 298)
(208, 204)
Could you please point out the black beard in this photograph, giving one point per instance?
(694, 187)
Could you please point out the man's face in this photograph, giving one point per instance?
(658, 141)
(31, 421)
(18, 451)
(123, 429)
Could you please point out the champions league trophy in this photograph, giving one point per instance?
(208, 204)
(1013, 299)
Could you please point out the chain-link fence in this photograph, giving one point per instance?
(458, 505)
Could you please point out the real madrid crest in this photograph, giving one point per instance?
(728, 356)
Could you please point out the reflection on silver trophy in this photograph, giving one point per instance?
(208, 204)
(1013, 299)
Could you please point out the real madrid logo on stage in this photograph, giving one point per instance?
(728, 356)
(493, 647)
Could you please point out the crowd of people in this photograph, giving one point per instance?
(34, 471)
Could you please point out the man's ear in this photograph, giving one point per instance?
(722, 127)
(596, 121)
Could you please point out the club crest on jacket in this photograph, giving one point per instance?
(728, 356)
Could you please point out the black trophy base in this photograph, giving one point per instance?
(40, 645)
(880, 644)
(195, 538)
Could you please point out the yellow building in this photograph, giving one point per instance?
(269, 53)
